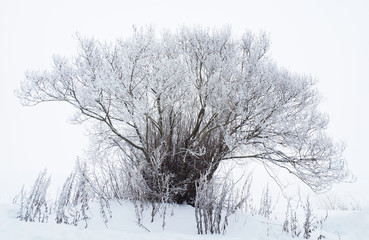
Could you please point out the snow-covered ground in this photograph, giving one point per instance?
(180, 224)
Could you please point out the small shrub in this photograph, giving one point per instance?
(216, 201)
(33, 205)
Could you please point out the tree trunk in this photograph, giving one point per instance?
(183, 171)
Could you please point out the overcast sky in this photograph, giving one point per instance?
(327, 39)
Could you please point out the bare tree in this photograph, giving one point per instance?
(179, 104)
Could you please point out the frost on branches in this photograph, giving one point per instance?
(171, 108)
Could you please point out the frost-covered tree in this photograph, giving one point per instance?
(179, 104)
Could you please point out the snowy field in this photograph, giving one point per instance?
(180, 224)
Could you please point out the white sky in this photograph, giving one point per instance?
(327, 39)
